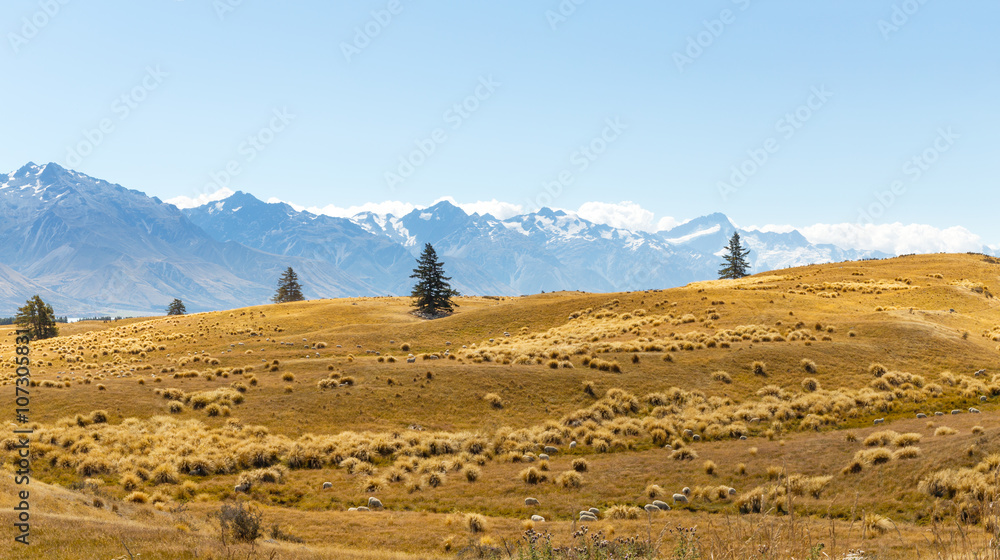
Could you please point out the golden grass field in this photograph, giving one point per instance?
(769, 386)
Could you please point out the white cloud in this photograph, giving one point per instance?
(276, 200)
(896, 238)
(184, 202)
(625, 215)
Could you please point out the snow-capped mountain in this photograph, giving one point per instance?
(89, 246)
(99, 248)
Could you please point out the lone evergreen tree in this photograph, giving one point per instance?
(38, 319)
(289, 288)
(176, 307)
(735, 263)
(432, 293)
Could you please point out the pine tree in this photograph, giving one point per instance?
(38, 319)
(735, 263)
(289, 288)
(176, 307)
(432, 294)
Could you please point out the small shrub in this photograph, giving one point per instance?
(239, 522)
(588, 388)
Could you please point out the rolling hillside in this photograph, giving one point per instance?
(771, 386)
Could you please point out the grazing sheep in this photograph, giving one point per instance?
(686, 491)
(363, 508)
(411, 360)
(531, 502)
(696, 437)
(973, 410)
(352, 509)
(755, 420)
(956, 411)
(743, 438)
(538, 519)
(938, 414)
(688, 432)
(650, 508)
(587, 516)
(732, 491)
(662, 505)
(879, 420)
(594, 511)
(550, 449)
(572, 444)
(680, 499)
(327, 485)
(980, 372)
(245, 487)
(374, 502)
(543, 456)
(982, 398)
(921, 415)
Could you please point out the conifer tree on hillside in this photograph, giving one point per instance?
(289, 288)
(176, 307)
(38, 319)
(735, 263)
(432, 294)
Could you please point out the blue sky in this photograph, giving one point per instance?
(579, 104)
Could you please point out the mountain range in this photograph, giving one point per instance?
(89, 247)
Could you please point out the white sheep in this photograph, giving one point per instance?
(572, 444)
(956, 411)
(973, 410)
(982, 398)
(327, 485)
(550, 449)
(686, 491)
(245, 487)
(531, 502)
(921, 415)
(363, 508)
(938, 414)
(543, 456)
(374, 502)
(662, 505)
(538, 519)
(650, 508)
(879, 420)
(680, 499)
(594, 511)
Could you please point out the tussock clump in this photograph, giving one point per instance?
(710, 467)
(722, 376)
(808, 365)
(945, 431)
(570, 479)
(876, 524)
(580, 464)
(476, 523)
(810, 385)
(494, 400)
(877, 370)
(653, 491)
(684, 454)
(472, 474)
(137, 498)
(759, 368)
(623, 512)
(531, 475)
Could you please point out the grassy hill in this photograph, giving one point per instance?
(770, 386)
